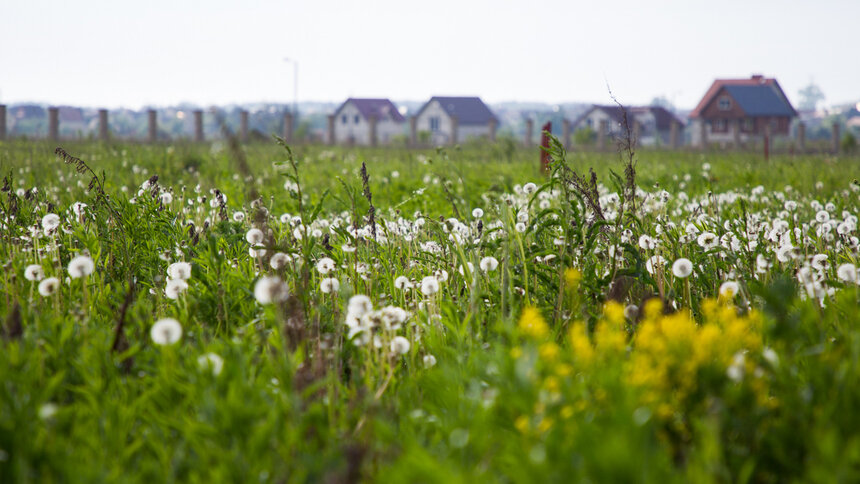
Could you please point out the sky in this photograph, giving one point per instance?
(115, 53)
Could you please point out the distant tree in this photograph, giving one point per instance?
(810, 96)
(663, 102)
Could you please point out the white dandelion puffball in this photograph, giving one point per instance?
(520, 227)
(174, 288)
(179, 270)
(429, 285)
(682, 268)
(529, 188)
(49, 286)
(400, 345)
(402, 283)
(271, 289)
(325, 265)
(166, 331)
(477, 213)
(211, 362)
(238, 216)
(279, 260)
(34, 272)
(729, 289)
(429, 361)
(329, 285)
(359, 305)
(50, 222)
(80, 266)
(654, 262)
(166, 198)
(489, 264)
(845, 272)
(254, 236)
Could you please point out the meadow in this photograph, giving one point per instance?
(215, 313)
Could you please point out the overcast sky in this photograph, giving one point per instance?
(112, 53)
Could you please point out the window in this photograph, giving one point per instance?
(357, 119)
(343, 119)
(748, 125)
(719, 126)
(725, 103)
(434, 124)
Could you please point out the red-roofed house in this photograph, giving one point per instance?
(354, 122)
(736, 110)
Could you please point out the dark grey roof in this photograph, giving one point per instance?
(761, 100)
(468, 110)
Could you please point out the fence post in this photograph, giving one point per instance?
(413, 131)
(54, 123)
(455, 130)
(602, 126)
(674, 134)
(544, 142)
(637, 132)
(736, 133)
(104, 130)
(703, 134)
(530, 126)
(2, 122)
(198, 125)
(152, 116)
(243, 125)
(331, 137)
(767, 142)
(801, 137)
(493, 125)
(373, 120)
(288, 127)
(835, 138)
(565, 133)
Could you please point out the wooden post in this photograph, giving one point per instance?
(602, 126)
(493, 125)
(703, 134)
(54, 123)
(331, 137)
(736, 133)
(565, 133)
(198, 125)
(413, 131)
(674, 134)
(288, 127)
(373, 120)
(152, 116)
(544, 142)
(801, 137)
(104, 131)
(455, 130)
(2, 122)
(530, 126)
(834, 139)
(243, 125)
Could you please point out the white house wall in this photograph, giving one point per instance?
(359, 133)
(443, 134)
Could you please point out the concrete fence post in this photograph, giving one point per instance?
(736, 134)
(288, 127)
(602, 127)
(413, 131)
(565, 133)
(455, 130)
(104, 130)
(198, 125)
(243, 125)
(331, 137)
(637, 132)
(703, 134)
(530, 127)
(674, 135)
(493, 125)
(152, 121)
(54, 123)
(801, 137)
(2, 122)
(834, 139)
(373, 120)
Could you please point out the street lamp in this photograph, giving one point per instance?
(295, 64)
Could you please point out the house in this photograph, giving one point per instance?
(650, 125)
(449, 120)
(366, 122)
(737, 110)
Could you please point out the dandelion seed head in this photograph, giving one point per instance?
(179, 270)
(49, 286)
(400, 345)
(329, 285)
(489, 263)
(270, 289)
(166, 331)
(682, 268)
(429, 285)
(80, 266)
(211, 362)
(174, 287)
(254, 236)
(34, 272)
(50, 222)
(279, 260)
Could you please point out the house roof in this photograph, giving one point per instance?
(662, 116)
(763, 98)
(381, 108)
(468, 110)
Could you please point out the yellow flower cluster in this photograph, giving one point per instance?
(532, 324)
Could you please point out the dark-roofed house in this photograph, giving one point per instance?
(736, 110)
(367, 122)
(654, 122)
(454, 119)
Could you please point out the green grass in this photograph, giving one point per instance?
(760, 386)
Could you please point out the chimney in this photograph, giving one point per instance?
(758, 77)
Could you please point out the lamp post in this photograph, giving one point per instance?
(295, 64)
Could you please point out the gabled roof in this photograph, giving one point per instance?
(768, 89)
(662, 116)
(381, 108)
(468, 110)
(760, 101)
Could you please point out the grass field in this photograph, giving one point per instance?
(205, 313)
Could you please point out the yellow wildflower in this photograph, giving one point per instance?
(532, 324)
(522, 424)
(572, 277)
(548, 352)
